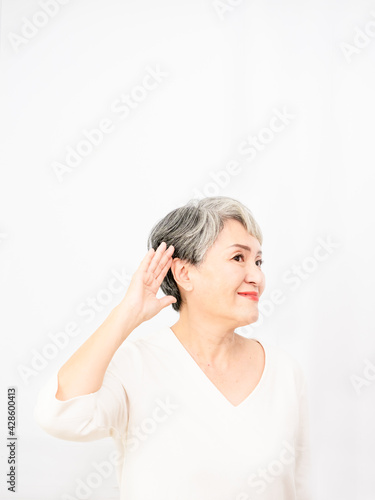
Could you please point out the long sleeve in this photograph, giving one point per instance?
(303, 456)
(84, 418)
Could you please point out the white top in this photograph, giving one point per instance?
(177, 435)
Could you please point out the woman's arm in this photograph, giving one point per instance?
(86, 399)
(84, 371)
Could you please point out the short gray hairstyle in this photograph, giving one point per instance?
(193, 228)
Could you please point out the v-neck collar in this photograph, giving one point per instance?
(209, 384)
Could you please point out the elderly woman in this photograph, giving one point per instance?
(197, 411)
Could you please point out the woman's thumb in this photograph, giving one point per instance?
(167, 301)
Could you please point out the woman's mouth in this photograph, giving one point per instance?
(250, 295)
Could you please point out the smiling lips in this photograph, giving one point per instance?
(250, 295)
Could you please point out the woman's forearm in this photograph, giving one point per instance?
(84, 371)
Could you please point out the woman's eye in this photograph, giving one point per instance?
(259, 262)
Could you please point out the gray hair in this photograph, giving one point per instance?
(193, 228)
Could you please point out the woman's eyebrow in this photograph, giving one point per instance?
(245, 247)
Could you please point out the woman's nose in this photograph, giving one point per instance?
(254, 274)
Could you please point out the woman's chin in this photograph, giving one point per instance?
(248, 319)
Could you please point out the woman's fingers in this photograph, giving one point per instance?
(164, 271)
(145, 263)
(161, 257)
(164, 260)
(141, 293)
(155, 264)
(146, 260)
(157, 257)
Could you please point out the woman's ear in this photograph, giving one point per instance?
(180, 270)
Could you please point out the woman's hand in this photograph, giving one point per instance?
(140, 298)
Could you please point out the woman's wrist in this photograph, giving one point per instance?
(125, 318)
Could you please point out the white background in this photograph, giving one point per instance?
(62, 240)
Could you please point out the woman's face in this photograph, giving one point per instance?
(227, 271)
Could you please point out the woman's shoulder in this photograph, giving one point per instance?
(140, 342)
(280, 359)
(136, 347)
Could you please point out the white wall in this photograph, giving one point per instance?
(223, 79)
